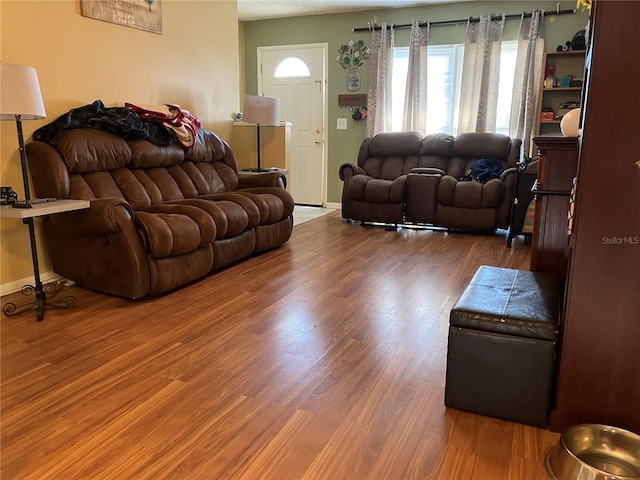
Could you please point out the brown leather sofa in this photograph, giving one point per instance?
(407, 178)
(160, 217)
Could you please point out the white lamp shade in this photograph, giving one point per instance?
(20, 93)
(261, 110)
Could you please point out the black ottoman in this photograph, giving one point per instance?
(502, 345)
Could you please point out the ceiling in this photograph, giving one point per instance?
(264, 9)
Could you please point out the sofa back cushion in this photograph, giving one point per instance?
(471, 146)
(436, 150)
(145, 154)
(101, 164)
(389, 155)
(216, 162)
(86, 150)
(474, 144)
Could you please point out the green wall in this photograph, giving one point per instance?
(337, 29)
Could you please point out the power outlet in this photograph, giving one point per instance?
(342, 124)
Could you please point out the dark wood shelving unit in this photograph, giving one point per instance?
(599, 360)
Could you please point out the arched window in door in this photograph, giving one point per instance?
(292, 67)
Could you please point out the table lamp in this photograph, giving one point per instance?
(20, 99)
(261, 111)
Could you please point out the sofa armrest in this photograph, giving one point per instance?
(348, 170)
(100, 217)
(262, 179)
(428, 171)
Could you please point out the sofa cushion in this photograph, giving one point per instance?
(397, 144)
(278, 198)
(440, 144)
(219, 176)
(170, 230)
(231, 219)
(208, 147)
(215, 160)
(389, 155)
(438, 162)
(389, 168)
(470, 194)
(482, 145)
(270, 206)
(87, 150)
(249, 207)
(145, 154)
(374, 190)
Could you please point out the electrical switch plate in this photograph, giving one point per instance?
(342, 124)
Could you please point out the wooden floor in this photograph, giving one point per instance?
(323, 359)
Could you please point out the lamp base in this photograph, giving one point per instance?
(42, 293)
(22, 205)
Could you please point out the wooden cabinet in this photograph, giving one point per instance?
(553, 96)
(556, 169)
(599, 362)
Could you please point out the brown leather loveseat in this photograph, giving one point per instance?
(407, 178)
(160, 217)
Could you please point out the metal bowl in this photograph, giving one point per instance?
(595, 452)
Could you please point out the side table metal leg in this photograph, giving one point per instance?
(41, 300)
(39, 291)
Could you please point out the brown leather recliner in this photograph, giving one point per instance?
(405, 178)
(159, 217)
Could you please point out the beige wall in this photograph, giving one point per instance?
(194, 63)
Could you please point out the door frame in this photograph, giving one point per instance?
(325, 105)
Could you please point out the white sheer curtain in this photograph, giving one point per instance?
(380, 76)
(415, 101)
(526, 85)
(480, 75)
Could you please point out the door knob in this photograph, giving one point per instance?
(319, 142)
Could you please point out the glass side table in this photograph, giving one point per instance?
(38, 290)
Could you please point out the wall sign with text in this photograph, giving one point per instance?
(141, 14)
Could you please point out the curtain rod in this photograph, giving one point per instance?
(465, 20)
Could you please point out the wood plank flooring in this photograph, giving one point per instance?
(323, 359)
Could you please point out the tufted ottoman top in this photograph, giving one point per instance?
(511, 302)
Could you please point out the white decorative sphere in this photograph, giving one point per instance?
(570, 122)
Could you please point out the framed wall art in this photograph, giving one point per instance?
(141, 14)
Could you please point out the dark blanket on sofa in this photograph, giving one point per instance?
(483, 170)
(121, 121)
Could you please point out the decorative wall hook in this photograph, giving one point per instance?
(358, 113)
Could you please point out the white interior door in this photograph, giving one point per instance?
(296, 74)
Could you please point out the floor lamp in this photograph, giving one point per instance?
(20, 99)
(261, 111)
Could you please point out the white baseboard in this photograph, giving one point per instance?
(16, 286)
(336, 206)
